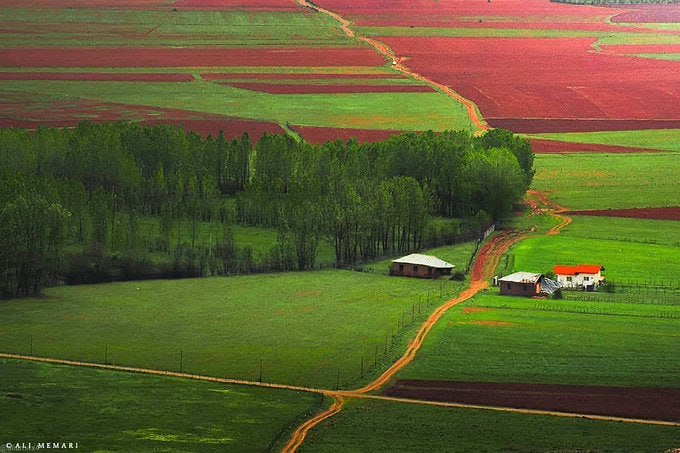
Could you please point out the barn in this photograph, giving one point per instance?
(527, 284)
(423, 266)
(582, 276)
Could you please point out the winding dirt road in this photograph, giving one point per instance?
(540, 202)
(397, 63)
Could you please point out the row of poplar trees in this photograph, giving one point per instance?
(94, 189)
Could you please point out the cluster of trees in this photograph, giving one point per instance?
(76, 204)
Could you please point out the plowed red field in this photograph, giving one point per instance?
(86, 4)
(643, 403)
(636, 213)
(317, 135)
(137, 57)
(552, 79)
(96, 77)
(538, 125)
(649, 14)
(555, 147)
(322, 89)
(210, 76)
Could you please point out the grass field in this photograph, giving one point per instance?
(109, 411)
(663, 139)
(302, 328)
(397, 111)
(119, 27)
(508, 339)
(379, 426)
(602, 181)
(662, 232)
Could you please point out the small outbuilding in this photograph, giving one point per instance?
(423, 266)
(527, 284)
(583, 276)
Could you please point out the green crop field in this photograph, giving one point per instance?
(110, 411)
(302, 328)
(508, 339)
(398, 111)
(154, 28)
(662, 232)
(380, 426)
(663, 139)
(603, 181)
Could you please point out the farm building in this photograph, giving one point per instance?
(424, 266)
(527, 284)
(584, 276)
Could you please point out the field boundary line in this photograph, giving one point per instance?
(471, 108)
(517, 410)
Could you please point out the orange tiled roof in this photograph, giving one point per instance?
(580, 269)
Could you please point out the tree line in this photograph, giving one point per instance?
(102, 201)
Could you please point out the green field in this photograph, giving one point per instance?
(110, 411)
(510, 339)
(662, 232)
(603, 181)
(398, 111)
(663, 139)
(119, 27)
(303, 328)
(380, 426)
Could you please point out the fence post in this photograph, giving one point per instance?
(181, 361)
(260, 371)
(31, 347)
(106, 353)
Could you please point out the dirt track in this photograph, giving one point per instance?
(639, 403)
(540, 202)
(397, 63)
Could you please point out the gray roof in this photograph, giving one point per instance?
(424, 260)
(521, 277)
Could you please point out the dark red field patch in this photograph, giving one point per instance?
(27, 114)
(318, 135)
(649, 14)
(86, 4)
(217, 76)
(137, 57)
(96, 77)
(641, 49)
(628, 402)
(635, 213)
(557, 147)
(542, 125)
(227, 5)
(329, 89)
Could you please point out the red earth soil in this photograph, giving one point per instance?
(29, 115)
(636, 213)
(210, 76)
(226, 5)
(186, 57)
(556, 147)
(637, 49)
(546, 78)
(322, 89)
(318, 135)
(649, 14)
(629, 402)
(96, 77)
(85, 4)
(540, 125)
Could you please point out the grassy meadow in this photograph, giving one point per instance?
(110, 411)
(302, 328)
(510, 339)
(602, 181)
(381, 426)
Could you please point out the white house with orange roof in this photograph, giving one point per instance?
(587, 276)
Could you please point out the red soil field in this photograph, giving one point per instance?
(629, 402)
(96, 77)
(85, 4)
(541, 125)
(637, 49)
(337, 89)
(227, 5)
(635, 213)
(649, 14)
(556, 147)
(24, 113)
(186, 57)
(546, 78)
(452, 12)
(210, 76)
(318, 135)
